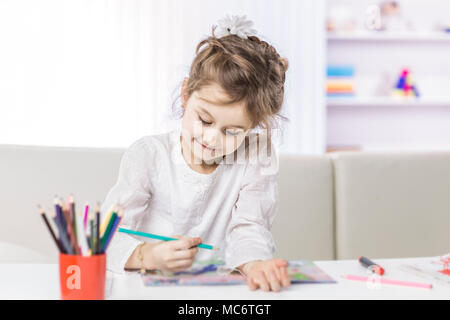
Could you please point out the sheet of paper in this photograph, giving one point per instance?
(436, 269)
(216, 273)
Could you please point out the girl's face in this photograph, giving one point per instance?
(211, 129)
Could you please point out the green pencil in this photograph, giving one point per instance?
(154, 236)
(108, 230)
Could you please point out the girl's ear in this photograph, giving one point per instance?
(184, 96)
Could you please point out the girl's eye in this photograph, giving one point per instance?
(204, 122)
(231, 133)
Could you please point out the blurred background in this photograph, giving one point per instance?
(364, 75)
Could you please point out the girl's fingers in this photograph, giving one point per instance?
(285, 280)
(273, 281)
(185, 243)
(262, 281)
(181, 264)
(278, 274)
(251, 284)
(281, 263)
(185, 254)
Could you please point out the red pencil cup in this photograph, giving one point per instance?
(82, 278)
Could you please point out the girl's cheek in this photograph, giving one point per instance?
(197, 128)
(231, 144)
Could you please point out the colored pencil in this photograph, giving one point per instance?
(113, 230)
(97, 229)
(106, 221)
(154, 236)
(59, 213)
(68, 224)
(388, 281)
(50, 229)
(82, 240)
(111, 221)
(81, 233)
(70, 231)
(71, 208)
(86, 211)
(64, 223)
(92, 234)
(62, 234)
(64, 218)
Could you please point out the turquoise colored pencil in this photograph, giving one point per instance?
(155, 236)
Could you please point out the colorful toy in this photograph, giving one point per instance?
(405, 85)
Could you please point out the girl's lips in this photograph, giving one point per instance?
(205, 147)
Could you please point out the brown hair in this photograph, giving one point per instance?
(248, 70)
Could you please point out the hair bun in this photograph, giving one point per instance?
(285, 64)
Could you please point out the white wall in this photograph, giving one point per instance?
(103, 72)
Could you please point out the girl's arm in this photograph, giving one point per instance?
(132, 192)
(250, 244)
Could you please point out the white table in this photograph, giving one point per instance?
(40, 281)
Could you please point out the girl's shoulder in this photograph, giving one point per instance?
(153, 143)
(149, 149)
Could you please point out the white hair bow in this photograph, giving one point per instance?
(237, 25)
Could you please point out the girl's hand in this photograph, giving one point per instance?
(267, 275)
(172, 256)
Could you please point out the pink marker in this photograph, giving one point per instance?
(389, 281)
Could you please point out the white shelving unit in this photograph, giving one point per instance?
(386, 102)
(370, 122)
(389, 37)
(372, 119)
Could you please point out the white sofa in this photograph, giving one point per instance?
(337, 206)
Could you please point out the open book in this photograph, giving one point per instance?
(216, 273)
(435, 269)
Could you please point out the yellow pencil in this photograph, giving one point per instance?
(105, 221)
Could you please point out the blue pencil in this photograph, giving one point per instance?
(155, 236)
(62, 234)
(112, 231)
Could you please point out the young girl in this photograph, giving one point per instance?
(200, 183)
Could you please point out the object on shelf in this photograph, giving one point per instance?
(392, 17)
(341, 18)
(405, 86)
(340, 81)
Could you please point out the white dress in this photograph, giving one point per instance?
(232, 208)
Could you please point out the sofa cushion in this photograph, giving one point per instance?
(32, 175)
(303, 226)
(392, 204)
